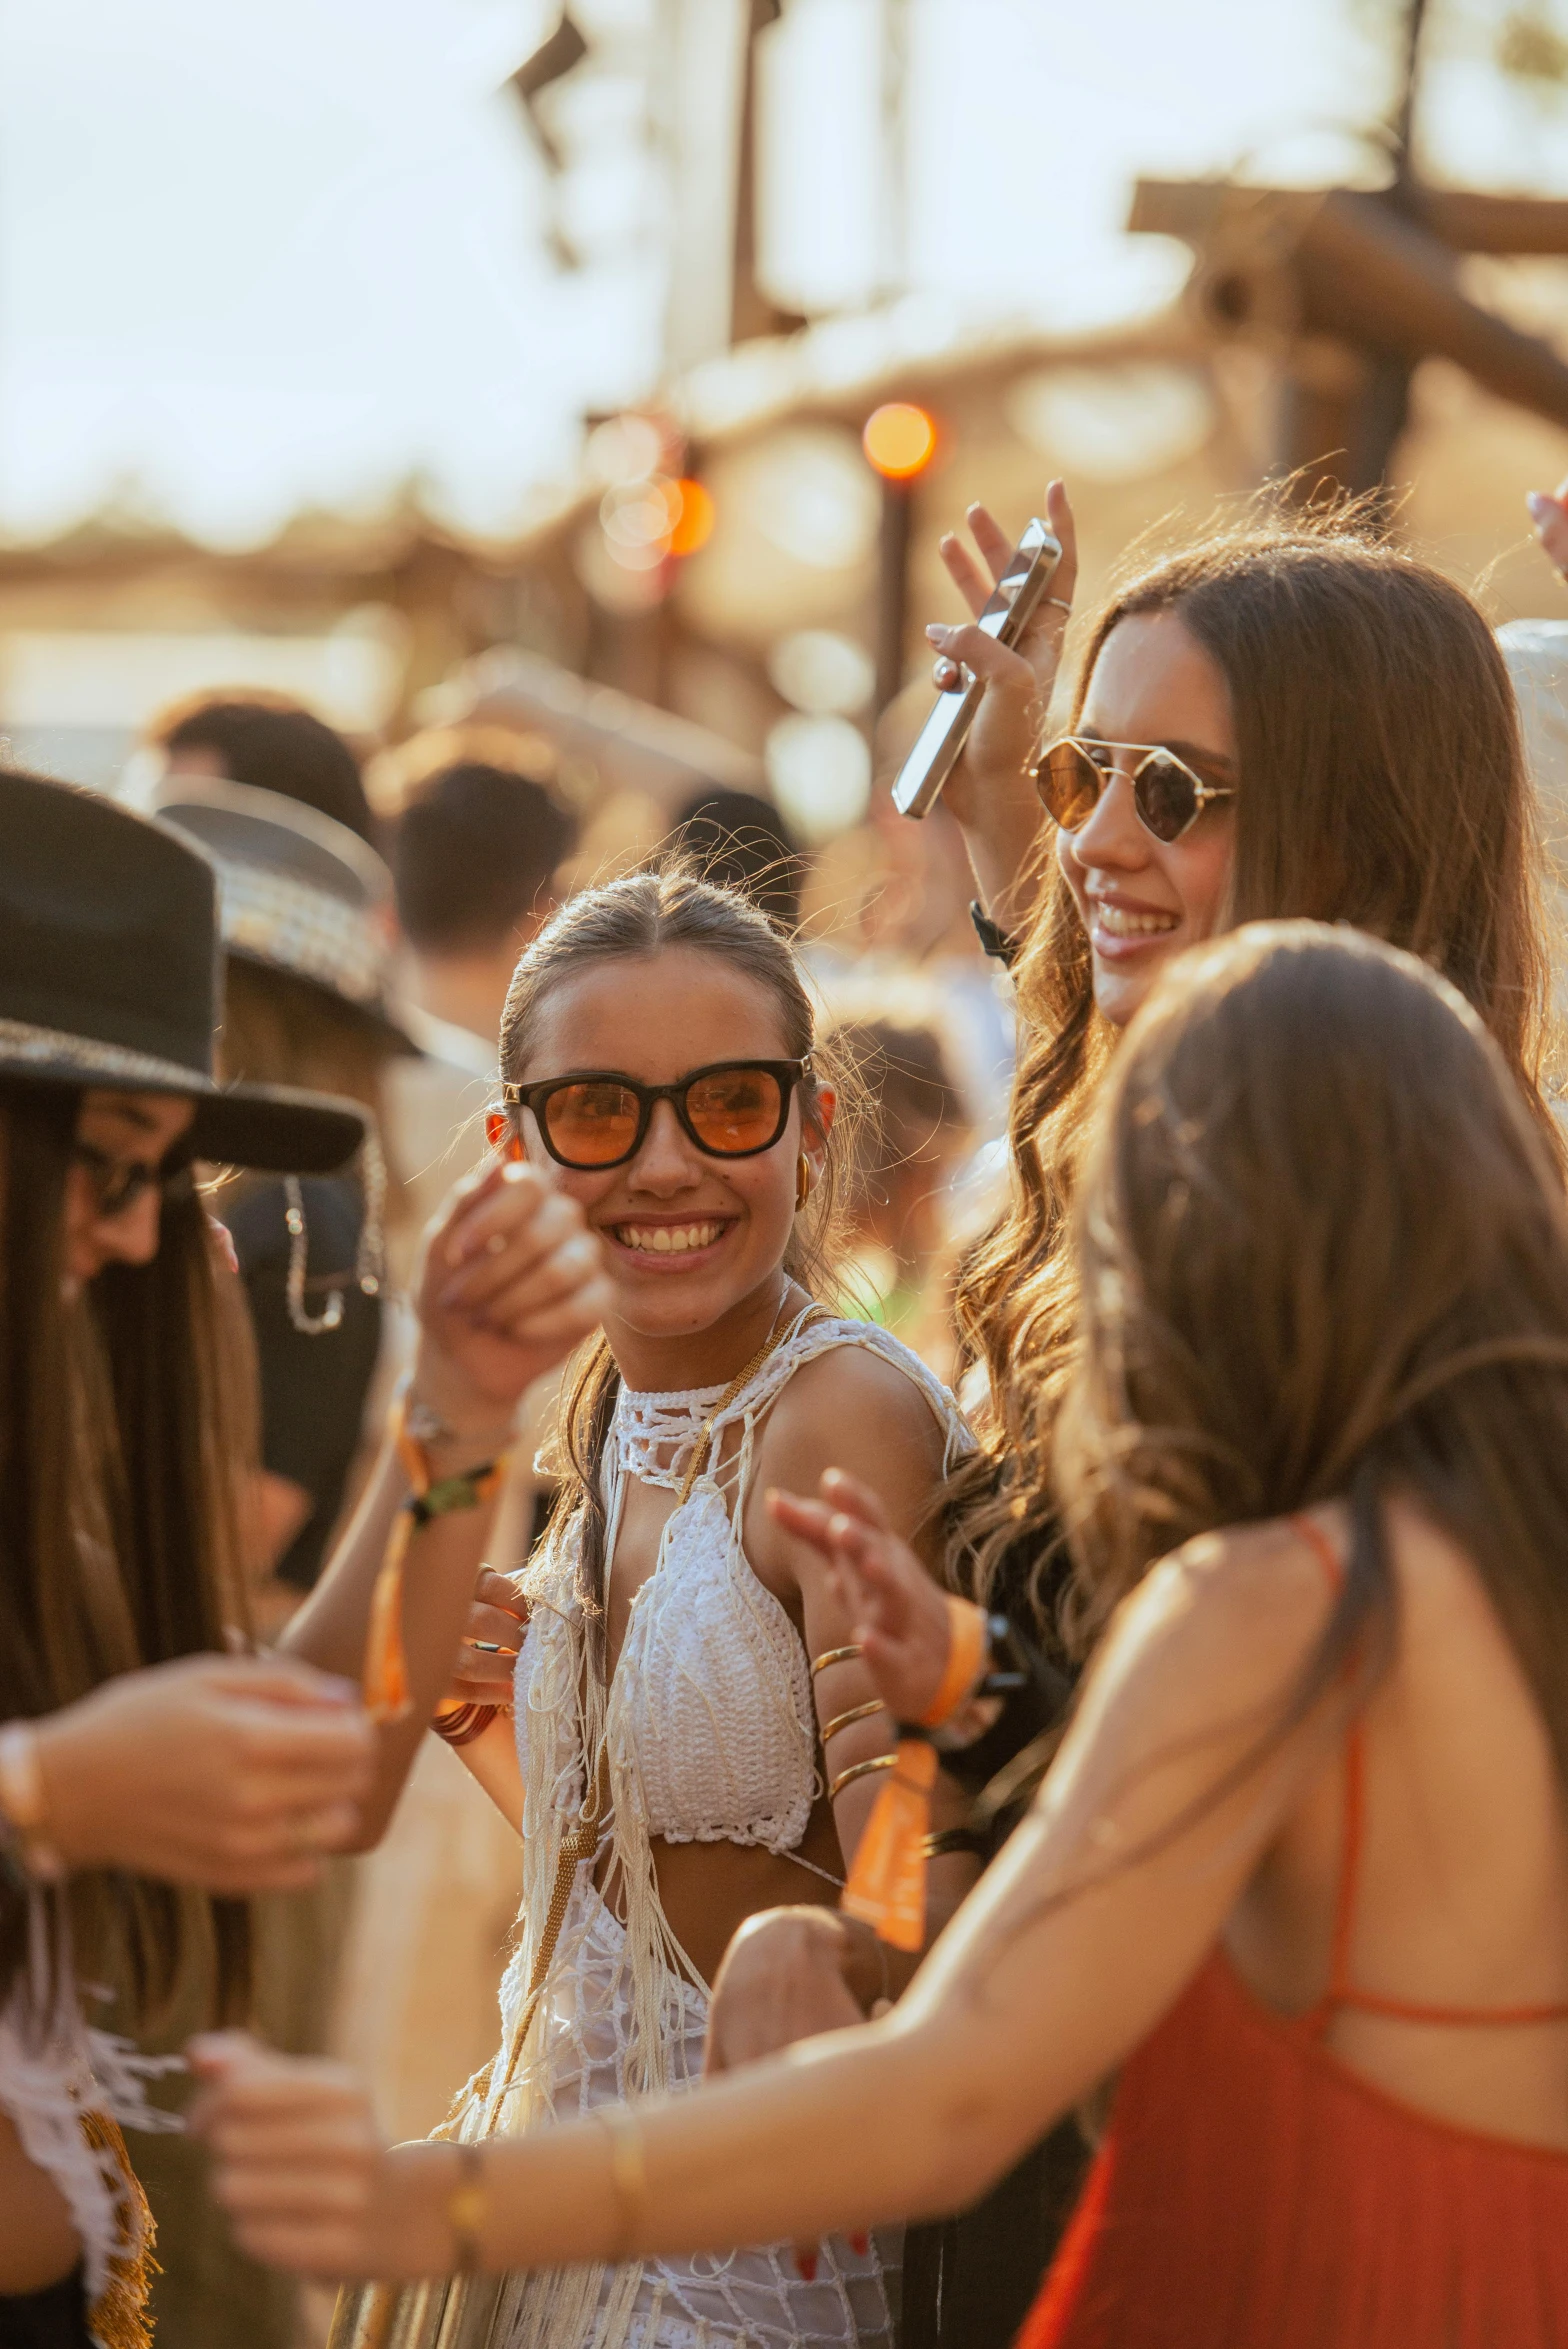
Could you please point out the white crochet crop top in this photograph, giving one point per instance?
(711, 1702)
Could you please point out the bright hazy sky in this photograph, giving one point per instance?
(254, 256)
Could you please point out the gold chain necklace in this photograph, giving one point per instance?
(699, 1450)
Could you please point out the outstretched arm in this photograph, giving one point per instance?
(1075, 1944)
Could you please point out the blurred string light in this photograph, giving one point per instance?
(651, 517)
(822, 672)
(820, 772)
(899, 440)
(811, 499)
(1112, 423)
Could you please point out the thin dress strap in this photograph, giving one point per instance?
(1341, 1990)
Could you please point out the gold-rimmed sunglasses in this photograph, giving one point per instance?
(1168, 796)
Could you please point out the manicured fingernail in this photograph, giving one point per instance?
(806, 2266)
(859, 2243)
(1542, 508)
(516, 1170)
(937, 633)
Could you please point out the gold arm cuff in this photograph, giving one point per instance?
(829, 1656)
(856, 1770)
(628, 2176)
(846, 1720)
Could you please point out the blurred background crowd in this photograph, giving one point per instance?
(453, 448)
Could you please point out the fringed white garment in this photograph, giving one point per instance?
(709, 1734)
(61, 2082)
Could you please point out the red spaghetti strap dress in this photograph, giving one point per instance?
(1253, 2193)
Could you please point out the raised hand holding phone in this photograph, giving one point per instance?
(988, 788)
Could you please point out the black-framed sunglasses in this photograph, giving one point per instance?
(1071, 774)
(117, 1183)
(598, 1118)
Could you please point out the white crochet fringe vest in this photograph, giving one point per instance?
(707, 1733)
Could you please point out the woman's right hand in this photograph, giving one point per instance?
(510, 1281)
(236, 1774)
(989, 790)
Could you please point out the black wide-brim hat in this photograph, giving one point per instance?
(110, 973)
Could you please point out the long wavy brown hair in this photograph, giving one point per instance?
(1321, 1251)
(126, 1427)
(630, 919)
(1382, 784)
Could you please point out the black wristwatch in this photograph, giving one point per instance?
(1034, 1695)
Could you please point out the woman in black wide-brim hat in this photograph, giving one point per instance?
(135, 1755)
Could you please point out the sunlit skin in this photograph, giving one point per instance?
(679, 1319)
(1153, 683)
(132, 1129)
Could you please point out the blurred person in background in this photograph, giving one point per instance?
(738, 840)
(904, 1157)
(478, 832)
(248, 734)
(273, 795)
(132, 1745)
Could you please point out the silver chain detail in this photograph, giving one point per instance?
(369, 1257)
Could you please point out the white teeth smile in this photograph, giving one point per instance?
(1117, 923)
(668, 1239)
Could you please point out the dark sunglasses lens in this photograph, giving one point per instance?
(1166, 796)
(1070, 784)
(591, 1125)
(734, 1110)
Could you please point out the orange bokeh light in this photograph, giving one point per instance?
(899, 440)
(692, 526)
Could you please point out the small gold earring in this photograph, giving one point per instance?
(802, 1181)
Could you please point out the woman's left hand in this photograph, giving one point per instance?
(901, 1619)
(487, 1659)
(299, 2164)
(1549, 513)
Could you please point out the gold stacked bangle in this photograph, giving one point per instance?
(467, 2207)
(848, 1720)
(856, 1770)
(849, 1655)
(628, 2176)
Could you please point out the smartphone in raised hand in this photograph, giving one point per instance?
(1029, 571)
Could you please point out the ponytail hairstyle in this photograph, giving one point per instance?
(632, 919)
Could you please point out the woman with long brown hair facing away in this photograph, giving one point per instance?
(692, 1736)
(1299, 1873)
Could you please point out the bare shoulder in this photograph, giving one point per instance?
(851, 1407)
(852, 1392)
(1229, 1619)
